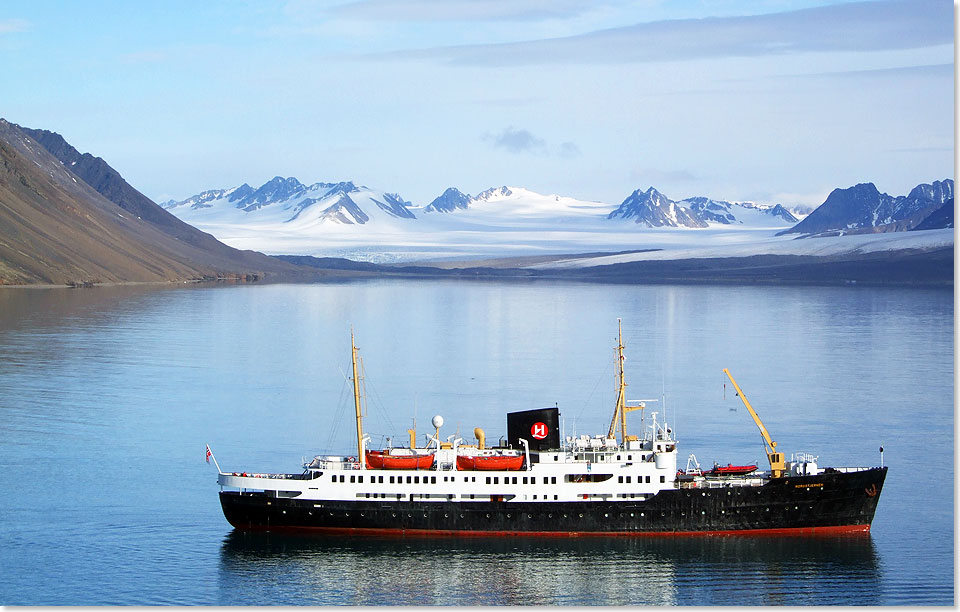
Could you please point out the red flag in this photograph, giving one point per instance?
(208, 453)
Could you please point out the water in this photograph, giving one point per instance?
(108, 396)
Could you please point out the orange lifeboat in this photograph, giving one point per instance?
(490, 462)
(731, 470)
(380, 460)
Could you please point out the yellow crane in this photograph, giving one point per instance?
(777, 465)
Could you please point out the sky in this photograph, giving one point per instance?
(773, 101)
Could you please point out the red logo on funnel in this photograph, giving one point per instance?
(539, 430)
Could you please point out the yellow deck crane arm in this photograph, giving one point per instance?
(777, 465)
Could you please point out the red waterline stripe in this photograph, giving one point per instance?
(445, 533)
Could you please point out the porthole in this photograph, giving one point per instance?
(581, 515)
(445, 515)
(393, 514)
(284, 511)
(703, 494)
(508, 515)
(550, 515)
(605, 515)
(488, 515)
(529, 516)
(461, 516)
(361, 514)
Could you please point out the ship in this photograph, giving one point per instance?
(535, 484)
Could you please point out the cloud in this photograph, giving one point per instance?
(568, 150)
(8, 26)
(462, 10)
(520, 140)
(856, 27)
(516, 141)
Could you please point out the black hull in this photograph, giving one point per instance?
(829, 502)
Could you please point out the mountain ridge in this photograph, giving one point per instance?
(70, 217)
(863, 208)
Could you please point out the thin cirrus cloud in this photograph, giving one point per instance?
(462, 10)
(860, 26)
(8, 26)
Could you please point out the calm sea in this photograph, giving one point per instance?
(109, 395)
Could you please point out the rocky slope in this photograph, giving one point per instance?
(56, 228)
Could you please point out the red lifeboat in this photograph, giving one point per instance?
(490, 462)
(731, 470)
(384, 460)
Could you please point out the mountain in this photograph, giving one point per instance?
(69, 217)
(449, 200)
(651, 208)
(287, 200)
(863, 209)
(940, 218)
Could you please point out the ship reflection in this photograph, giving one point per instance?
(323, 570)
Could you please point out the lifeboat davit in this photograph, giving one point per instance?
(380, 460)
(490, 462)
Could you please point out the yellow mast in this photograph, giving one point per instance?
(620, 411)
(777, 466)
(356, 400)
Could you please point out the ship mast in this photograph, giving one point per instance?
(620, 411)
(356, 400)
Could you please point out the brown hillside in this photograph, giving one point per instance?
(54, 228)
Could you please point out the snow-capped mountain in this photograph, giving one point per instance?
(862, 208)
(651, 208)
(449, 200)
(287, 200)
